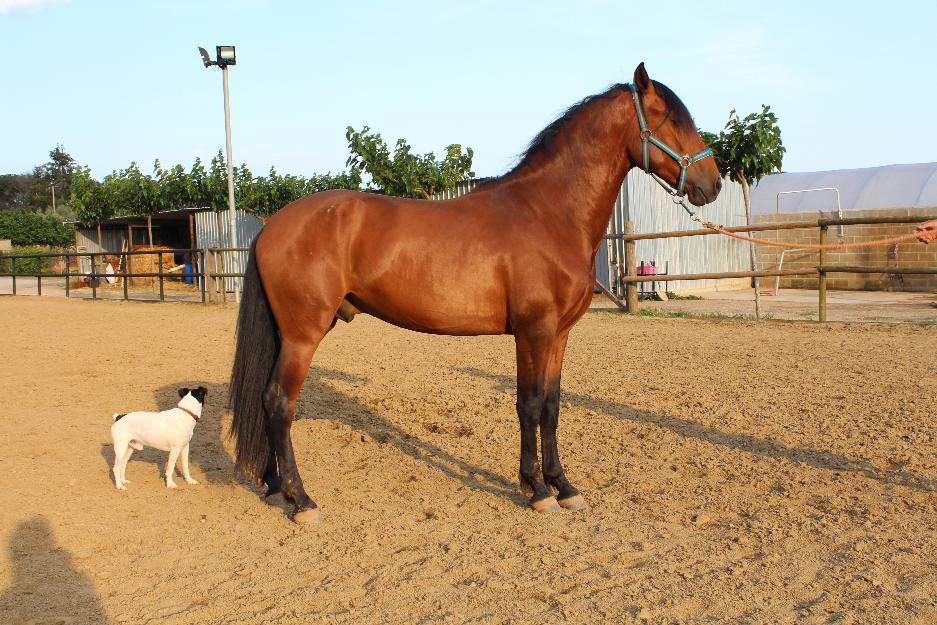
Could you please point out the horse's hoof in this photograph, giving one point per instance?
(308, 516)
(546, 505)
(275, 499)
(576, 502)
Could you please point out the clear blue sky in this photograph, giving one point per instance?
(852, 83)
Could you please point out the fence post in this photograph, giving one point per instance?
(123, 270)
(13, 271)
(159, 260)
(221, 281)
(215, 295)
(67, 276)
(821, 288)
(39, 275)
(203, 279)
(631, 270)
(94, 277)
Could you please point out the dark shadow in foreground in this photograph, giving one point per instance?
(46, 588)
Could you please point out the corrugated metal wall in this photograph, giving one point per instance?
(652, 209)
(644, 202)
(212, 230)
(111, 240)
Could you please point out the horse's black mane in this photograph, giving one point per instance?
(544, 139)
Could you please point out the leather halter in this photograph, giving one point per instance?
(648, 137)
(189, 412)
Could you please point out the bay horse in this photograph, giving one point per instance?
(515, 256)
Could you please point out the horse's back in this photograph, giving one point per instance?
(425, 265)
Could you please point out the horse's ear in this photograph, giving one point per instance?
(641, 79)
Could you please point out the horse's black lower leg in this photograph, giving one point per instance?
(271, 474)
(529, 407)
(553, 473)
(279, 413)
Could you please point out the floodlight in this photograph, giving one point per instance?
(205, 58)
(226, 55)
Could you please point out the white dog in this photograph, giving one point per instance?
(169, 430)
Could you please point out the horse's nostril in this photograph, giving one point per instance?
(718, 185)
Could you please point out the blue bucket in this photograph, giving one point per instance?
(188, 279)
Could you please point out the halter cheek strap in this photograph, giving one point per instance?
(648, 138)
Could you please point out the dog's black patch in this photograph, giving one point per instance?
(199, 394)
(183, 392)
(117, 418)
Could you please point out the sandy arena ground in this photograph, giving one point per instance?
(738, 472)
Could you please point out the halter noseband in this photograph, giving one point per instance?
(648, 137)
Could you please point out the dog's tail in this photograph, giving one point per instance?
(118, 416)
(258, 344)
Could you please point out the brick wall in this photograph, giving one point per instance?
(911, 254)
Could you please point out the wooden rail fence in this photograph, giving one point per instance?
(631, 279)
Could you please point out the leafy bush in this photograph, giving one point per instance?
(34, 229)
(28, 265)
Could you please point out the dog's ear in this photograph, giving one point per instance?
(199, 394)
(183, 392)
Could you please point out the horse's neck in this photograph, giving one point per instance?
(578, 181)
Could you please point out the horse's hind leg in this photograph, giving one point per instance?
(280, 405)
(271, 476)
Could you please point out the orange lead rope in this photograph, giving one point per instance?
(812, 246)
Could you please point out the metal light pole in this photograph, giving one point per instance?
(225, 56)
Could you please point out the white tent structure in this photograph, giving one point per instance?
(869, 188)
(892, 191)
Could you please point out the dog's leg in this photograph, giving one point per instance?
(123, 465)
(120, 452)
(171, 466)
(184, 458)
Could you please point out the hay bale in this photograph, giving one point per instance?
(147, 263)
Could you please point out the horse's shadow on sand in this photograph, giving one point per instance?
(319, 393)
(210, 461)
(323, 401)
(742, 442)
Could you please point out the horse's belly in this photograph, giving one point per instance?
(451, 313)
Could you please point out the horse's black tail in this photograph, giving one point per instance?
(258, 345)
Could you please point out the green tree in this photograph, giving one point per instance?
(13, 188)
(265, 195)
(747, 150)
(89, 199)
(55, 174)
(136, 193)
(403, 173)
(174, 187)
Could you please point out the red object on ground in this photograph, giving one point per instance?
(646, 269)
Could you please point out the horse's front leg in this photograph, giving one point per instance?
(533, 353)
(553, 473)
